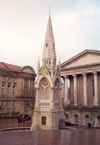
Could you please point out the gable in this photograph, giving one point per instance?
(88, 58)
(28, 69)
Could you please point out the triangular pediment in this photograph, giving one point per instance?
(87, 57)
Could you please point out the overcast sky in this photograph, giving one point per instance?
(76, 27)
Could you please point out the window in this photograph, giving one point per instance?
(3, 78)
(8, 104)
(2, 89)
(8, 79)
(86, 116)
(43, 121)
(76, 118)
(49, 61)
(13, 90)
(2, 104)
(14, 80)
(13, 104)
(8, 90)
(93, 93)
(46, 44)
(25, 104)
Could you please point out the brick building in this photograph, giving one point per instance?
(81, 74)
(16, 89)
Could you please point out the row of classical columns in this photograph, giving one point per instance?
(84, 88)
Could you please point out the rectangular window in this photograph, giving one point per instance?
(13, 90)
(8, 104)
(13, 104)
(8, 79)
(14, 80)
(2, 104)
(43, 121)
(2, 89)
(8, 90)
(93, 93)
(3, 78)
(25, 104)
(49, 61)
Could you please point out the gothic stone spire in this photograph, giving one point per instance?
(49, 46)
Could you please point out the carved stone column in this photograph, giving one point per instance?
(85, 88)
(75, 89)
(66, 90)
(96, 88)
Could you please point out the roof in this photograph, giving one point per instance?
(9, 66)
(49, 44)
(79, 55)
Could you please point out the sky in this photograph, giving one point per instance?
(23, 23)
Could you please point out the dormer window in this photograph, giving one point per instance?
(46, 44)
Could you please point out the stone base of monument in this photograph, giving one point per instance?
(62, 124)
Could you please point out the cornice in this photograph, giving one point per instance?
(81, 66)
(76, 57)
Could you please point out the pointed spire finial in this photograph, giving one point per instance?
(38, 65)
(59, 60)
(49, 9)
(59, 65)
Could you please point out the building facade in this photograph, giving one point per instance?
(16, 89)
(48, 108)
(81, 75)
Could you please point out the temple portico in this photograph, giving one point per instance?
(74, 87)
(81, 82)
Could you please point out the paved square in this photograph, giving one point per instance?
(57, 137)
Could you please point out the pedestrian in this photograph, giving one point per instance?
(89, 125)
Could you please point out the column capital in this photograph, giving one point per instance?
(84, 73)
(65, 76)
(74, 75)
(94, 72)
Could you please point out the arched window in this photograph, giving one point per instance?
(76, 118)
(86, 116)
(8, 90)
(66, 116)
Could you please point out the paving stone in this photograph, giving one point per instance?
(56, 137)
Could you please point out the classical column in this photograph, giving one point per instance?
(75, 89)
(63, 90)
(66, 90)
(96, 88)
(85, 88)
